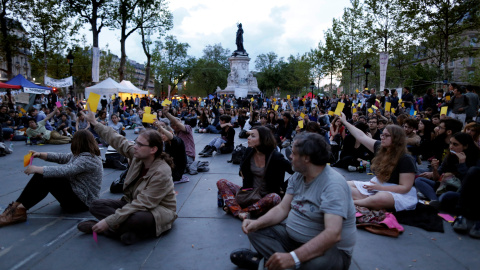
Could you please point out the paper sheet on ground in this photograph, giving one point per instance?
(447, 217)
(93, 100)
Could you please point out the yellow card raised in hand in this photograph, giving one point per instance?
(443, 110)
(302, 115)
(148, 110)
(331, 113)
(26, 159)
(148, 118)
(354, 110)
(447, 98)
(370, 110)
(93, 100)
(339, 109)
(392, 110)
(288, 96)
(300, 124)
(387, 106)
(276, 107)
(375, 107)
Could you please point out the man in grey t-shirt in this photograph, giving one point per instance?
(314, 225)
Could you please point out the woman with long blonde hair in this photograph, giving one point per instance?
(394, 170)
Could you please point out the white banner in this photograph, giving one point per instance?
(65, 82)
(383, 69)
(36, 91)
(95, 64)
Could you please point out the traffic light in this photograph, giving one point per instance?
(55, 90)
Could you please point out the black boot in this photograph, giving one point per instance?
(210, 151)
(204, 150)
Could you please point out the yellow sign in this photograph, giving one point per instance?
(331, 113)
(92, 101)
(23, 110)
(447, 98)
(288, 96)
(387, 106)
(392, 110)
(148, 110)
(252, 99)
(354, 110)
(443, 110)
(415, 113)
(375, 107)
(339, 109)
(148, 118)
(356, 91)
(302, 115)
(26, 159)
(370, 110)
(276, 107)
(300, 124)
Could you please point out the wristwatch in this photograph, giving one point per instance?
(295, 258)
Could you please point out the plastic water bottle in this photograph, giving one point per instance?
(28, 140)
(360, 168)
(368, 168)
(220, 199)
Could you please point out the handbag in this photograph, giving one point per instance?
(249, 196)
(448, 182)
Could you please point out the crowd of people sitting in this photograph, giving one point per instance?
(386, 137)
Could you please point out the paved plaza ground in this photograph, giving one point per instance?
(203, 235)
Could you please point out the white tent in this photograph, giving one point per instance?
(133, 88)
(107, 87)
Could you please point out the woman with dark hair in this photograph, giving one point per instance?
(426, 133)
(463, 155)
(473, 129)
(263, 170)
(75, 183)
(354, 153)
(284, 130)
(394, 169)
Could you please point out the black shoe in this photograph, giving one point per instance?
(245, 258)
(460, 225)
(210, 151)
(204, 150)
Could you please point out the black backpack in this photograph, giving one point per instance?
(117, 184)
(238, 153)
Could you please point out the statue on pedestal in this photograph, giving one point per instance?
(239, 41)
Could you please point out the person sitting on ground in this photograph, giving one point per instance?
(223, 144)
(262, 169)
(148, 207)
(392, 186)
(39, 116)
(474, 130)
(425, 131)
(116, 125)
(81, 122)
(284, 130)
(38, 132)
(102, 118)
(314, 225)
(354, 153)
(136, 121)
(175, 147)
(64, 125)
(443, 132)
(463, 155)
(413, 140)
(75, 182)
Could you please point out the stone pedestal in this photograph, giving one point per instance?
(240, 80)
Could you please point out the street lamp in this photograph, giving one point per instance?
(367, 67)
(70, 62)
(312, 86)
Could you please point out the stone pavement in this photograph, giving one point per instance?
(203, 235)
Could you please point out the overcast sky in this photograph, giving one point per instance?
(284, 27)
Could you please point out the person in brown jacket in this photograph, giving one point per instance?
(148, 207)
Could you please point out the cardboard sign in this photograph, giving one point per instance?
(443, 110)
(339, 109)
(147, 110)
(92, 101)
(300, 124)
(148, 118)
(288, 96)
(387, 106)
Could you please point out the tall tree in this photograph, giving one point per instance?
(171, 61)
(216, 53)
(130, 15)
(46, 31)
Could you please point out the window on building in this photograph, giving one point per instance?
(470, 61)
(473, 41)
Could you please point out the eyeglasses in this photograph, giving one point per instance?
(140, 144)
(383, 136)
(372, 122)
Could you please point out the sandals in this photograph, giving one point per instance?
(245, 258)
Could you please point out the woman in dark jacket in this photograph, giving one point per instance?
(263, 170)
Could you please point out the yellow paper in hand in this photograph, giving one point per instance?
(92, 101)
(339, 109)
(331, 113)
(443, 110)
(288, 96)
(302, 115)
(148, 118)
(387, 106)
(415, 113)
(26, 159)
(370, 110)
(375, 107)
(356, 90)
(252, 99)
(354, 110)
(23, 110)
(276, 107)
(392, 110)
(447, 98)
(148, 110)
(300, 124)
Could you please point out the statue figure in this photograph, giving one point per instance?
(239, 41)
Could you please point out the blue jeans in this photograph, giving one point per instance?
(217, 142)
(213, 129)
(7, 132)
(426, 187)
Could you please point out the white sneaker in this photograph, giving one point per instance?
(352, 168)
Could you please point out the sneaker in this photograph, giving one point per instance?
(13, 214)
(460, 225)
(86, 226)
(245, 258)
(475, 231)
(352, 168)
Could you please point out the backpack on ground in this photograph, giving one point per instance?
(238, 153)
(117, 184)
